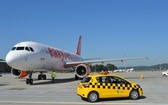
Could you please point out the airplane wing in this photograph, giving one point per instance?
(68, 64)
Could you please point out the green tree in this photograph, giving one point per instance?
(111, 67)
(100, 67)
(4, 67)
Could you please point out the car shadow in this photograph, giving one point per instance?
(117, 99)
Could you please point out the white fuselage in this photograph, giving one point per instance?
(32, 56)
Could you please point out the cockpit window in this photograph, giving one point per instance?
(13, 48)
(27, 49)
(23, 48)
(20, 48)
(31, 49)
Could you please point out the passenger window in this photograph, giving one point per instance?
(119, 80)
(31, 49)
(99, 79)
(13, 48)
(20, 48)
(108, 79)
(103, 79)
(27, 49)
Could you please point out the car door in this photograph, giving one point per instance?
(121, 87)
(104, 86)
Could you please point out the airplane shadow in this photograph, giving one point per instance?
(49, 81)
(3, 84)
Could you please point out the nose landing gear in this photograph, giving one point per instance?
(30, 80)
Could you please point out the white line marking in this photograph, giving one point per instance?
(78, 103)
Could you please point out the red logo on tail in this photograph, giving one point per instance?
(78, 51)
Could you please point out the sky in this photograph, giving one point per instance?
(109, 28)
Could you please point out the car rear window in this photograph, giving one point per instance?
(86, 79)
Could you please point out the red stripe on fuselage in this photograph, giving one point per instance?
(62, 55)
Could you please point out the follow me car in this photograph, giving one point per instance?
(99, 86)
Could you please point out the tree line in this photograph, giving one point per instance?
(4, 67)
(100, 67)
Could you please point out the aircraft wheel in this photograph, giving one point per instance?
(31, 81)
(27, 81)
(44, 77)
(39, 77)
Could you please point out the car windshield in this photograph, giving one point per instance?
(86, 79)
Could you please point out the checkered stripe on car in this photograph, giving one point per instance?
(113, 86)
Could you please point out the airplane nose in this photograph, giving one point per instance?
(10, 60)
(13, 60)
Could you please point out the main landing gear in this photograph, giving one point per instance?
(42, 76)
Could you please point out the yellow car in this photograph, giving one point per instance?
(99, 86)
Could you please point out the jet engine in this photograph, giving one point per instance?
(82, 71)
(19, 73)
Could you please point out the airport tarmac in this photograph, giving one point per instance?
(14, 91)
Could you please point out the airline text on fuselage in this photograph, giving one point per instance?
(62, 55)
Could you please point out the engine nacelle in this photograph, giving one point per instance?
(19, 73)
(82, 70)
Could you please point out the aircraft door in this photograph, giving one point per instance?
(43, 58)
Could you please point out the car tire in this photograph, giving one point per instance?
(134, 95)
(93, 97)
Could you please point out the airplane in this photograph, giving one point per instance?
(28, 57)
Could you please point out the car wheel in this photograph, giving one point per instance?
(134, 94)
(93, 97)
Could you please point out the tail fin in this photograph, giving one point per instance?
(78, 51)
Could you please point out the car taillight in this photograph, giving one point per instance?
(85, 85)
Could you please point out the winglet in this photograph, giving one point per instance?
(78, 51)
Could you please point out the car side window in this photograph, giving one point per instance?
(112, 79)
(119, 80)
(104, 79)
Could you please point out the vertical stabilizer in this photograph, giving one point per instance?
(78, 51)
